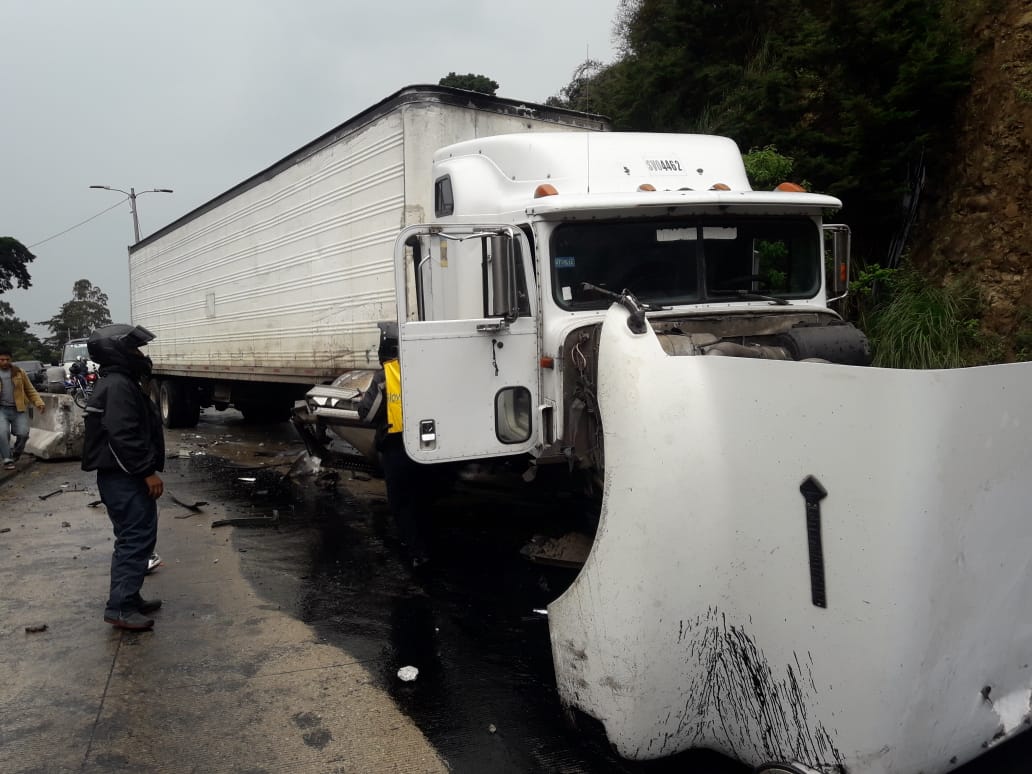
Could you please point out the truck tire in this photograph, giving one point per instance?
(177, 404)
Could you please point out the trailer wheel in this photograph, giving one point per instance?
(177, 405)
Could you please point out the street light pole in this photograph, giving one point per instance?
(131, 193)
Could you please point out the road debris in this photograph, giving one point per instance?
(194, 507)
(247, 521)
(408, 673)
(51, 494)
(570, 550)
(35, 628)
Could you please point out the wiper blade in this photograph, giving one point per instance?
(748, 295)
(627, 299)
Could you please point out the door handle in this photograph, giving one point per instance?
(496, 327)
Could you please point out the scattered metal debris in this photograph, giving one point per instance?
(247, 521)
(51, 494)
(570, 550)
(35, 628)
(194, 507)
(94, 504)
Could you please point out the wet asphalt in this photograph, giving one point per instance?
(484, 698)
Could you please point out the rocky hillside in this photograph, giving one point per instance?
(978, 228)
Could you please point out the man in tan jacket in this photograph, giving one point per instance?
(16, 392)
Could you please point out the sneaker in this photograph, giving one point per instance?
(9, 465)
(134, 622)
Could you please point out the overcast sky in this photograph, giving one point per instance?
(198, 95)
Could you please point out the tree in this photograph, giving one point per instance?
(470, 82)
(14, 334)
(86, 312)
(861, 94)
(14, 260)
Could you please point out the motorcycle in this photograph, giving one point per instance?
(80, 385)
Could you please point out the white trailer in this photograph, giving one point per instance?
(278, 283)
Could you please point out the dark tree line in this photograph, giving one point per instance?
(860, 93)
(77, 318)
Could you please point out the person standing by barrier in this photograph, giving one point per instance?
(407, 494)
(125, 444)
(16, 393)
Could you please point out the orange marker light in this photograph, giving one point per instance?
(548, 362)
(790, 188)
(720, 187)
(545, 189)
(646, 187)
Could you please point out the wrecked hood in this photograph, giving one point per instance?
(884, 626)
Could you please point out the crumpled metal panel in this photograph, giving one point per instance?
(693, 622)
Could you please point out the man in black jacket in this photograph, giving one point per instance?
(125, 444)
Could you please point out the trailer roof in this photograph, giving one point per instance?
(416, 93)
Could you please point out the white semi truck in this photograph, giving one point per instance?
(806, 563)
(278, 283)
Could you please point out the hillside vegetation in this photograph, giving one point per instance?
(916, 113)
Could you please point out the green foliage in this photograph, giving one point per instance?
(79, 317)
(766, 167)
(470, 82)
(856, 92)
(14, 334)
(913, 324)
(1023, 337)
(14, 264)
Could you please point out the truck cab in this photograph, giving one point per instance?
(501, 299)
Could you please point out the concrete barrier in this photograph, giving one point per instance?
(57, 433)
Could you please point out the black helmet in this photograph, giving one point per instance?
(117, 345)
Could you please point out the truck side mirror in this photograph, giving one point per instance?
(837, 238)
(504, 301)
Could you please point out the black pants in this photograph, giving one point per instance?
(408, 494)
(134, 516)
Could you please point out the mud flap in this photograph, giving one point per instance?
(734, 488)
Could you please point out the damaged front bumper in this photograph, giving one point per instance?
(333, 409)
(804, 563)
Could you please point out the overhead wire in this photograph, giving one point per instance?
(83, 223)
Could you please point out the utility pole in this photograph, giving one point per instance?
(131, 193)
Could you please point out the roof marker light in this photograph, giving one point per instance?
(545, 189)
(720, 187)
(787, 187)
(646, 187)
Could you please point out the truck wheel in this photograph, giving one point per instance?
(177, 405)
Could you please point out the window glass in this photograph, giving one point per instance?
(444, 202)
(685, 261)
(513, 415)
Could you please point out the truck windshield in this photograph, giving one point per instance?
(686, 260)
(75, 348)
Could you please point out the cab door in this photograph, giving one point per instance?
(468, 342)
